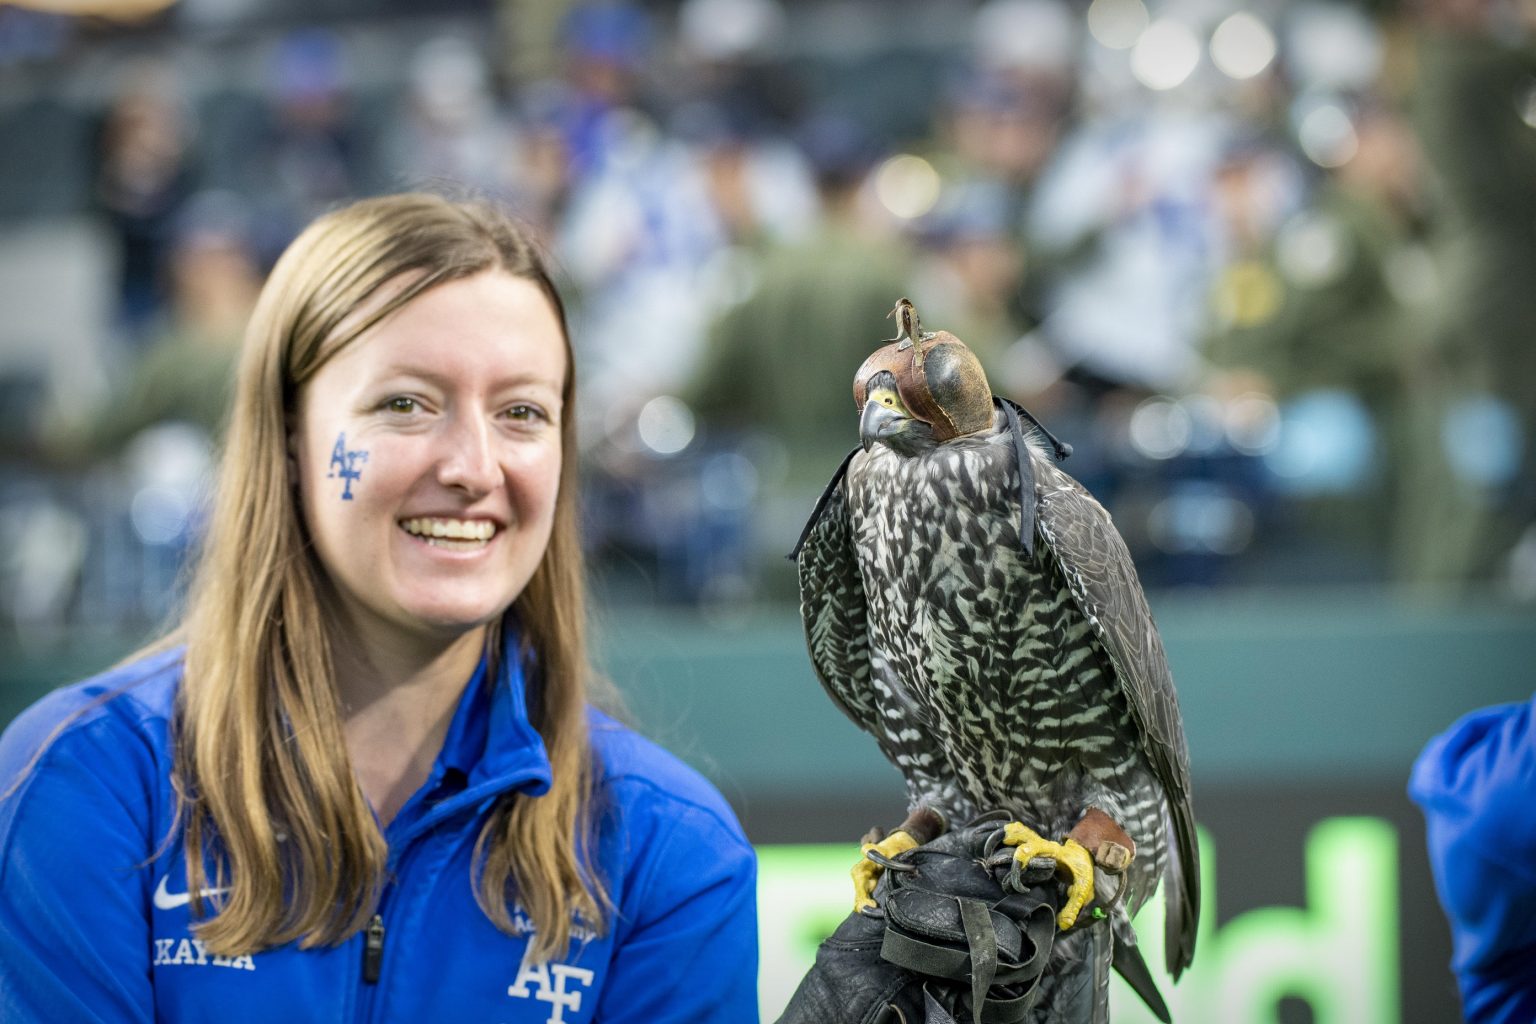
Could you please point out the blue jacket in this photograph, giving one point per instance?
(1476, 784)
(94, 926)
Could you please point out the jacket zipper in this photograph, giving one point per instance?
(373, 949)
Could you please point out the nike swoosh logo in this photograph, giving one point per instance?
(167, 900)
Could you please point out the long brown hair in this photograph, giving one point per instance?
(261, 773)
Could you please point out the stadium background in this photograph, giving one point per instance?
(1261, 264)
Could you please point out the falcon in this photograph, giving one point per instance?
(972, 607)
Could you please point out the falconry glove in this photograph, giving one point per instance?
(957, 935)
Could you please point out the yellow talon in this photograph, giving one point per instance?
(1070, 856)
(866, 872)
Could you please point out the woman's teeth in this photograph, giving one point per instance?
(453, 534)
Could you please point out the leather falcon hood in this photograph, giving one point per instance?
(939, 379)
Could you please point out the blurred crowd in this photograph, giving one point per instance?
(1264, 266)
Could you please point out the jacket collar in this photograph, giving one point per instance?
(491, 739)
(491, 743)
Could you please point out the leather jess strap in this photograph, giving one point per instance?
(1003, 992)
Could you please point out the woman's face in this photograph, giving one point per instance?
(428, 456)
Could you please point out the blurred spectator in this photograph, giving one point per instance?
(997, 130)
(1324, 312)
(760, 188)
(1006, 117)
(604, 43)
(636, 226)
(968, 279)
(131, 511)
(452, 130)
(996, 133)
(144, 173)
(184, 372)
(782, 361)
(544, 172)
(650, 236)
(1095, 187)
(314, 151)
(732, 105)
(1474, 105)
(636, 234)
(1125, 220)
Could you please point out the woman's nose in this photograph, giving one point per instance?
(468, 461)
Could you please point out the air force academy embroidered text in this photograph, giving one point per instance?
(551, 983)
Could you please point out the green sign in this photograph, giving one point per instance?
(1338, 954)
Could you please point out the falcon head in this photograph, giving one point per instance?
(886, 419)
(921, 390)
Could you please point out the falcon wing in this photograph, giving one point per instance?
(833, 610)
(1098, 569)
(855, 674)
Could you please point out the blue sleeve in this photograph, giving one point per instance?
(1476, 784)
(74, 837)
(687, 942)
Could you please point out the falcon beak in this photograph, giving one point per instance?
(878, 423)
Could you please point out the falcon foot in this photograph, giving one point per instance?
(921, 826)
(1070, 856)
(867, 871)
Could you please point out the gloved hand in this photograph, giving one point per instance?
(957, 934)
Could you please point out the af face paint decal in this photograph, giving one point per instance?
(345, 464)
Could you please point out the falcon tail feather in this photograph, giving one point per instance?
(1131, 966)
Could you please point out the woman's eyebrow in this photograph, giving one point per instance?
(437, 379)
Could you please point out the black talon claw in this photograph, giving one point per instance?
(998, 859)
(996, 814)
(1022, 877)
(888, 863)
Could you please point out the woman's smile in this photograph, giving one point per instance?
(451, 534)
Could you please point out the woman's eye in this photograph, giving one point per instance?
(526, 413)
(400, 403)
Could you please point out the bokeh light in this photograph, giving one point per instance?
(1201, 517)
(1205, 423)
(1242, 46)
(1252, 422)
(1326, 134)
(728, 481)
(160, 514)
(907, 186)
(1165, 55)
(1248, 294)
(1482, 440)
(665, 425)
(1161, 428)
(1312, 249)
(1117, 24)
(1333, 47)
(1327, 444)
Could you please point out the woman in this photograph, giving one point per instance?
(1475, 783)
(371, 724)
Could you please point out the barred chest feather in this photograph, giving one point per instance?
(997, 662)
